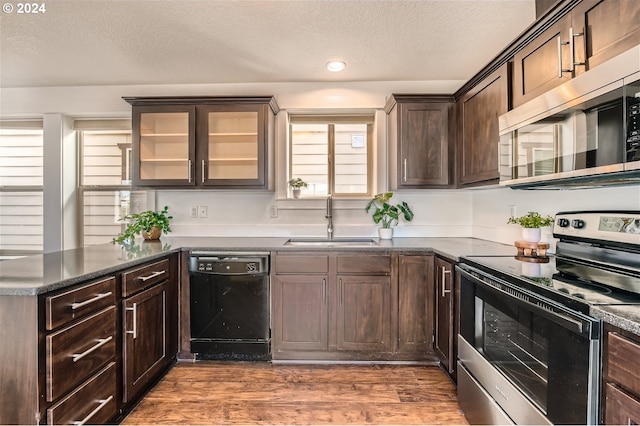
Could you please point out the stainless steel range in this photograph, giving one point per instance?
(529, 352)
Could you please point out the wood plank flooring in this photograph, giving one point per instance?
(231, 393)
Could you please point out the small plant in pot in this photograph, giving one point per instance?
(531, 224)
(388, 214)
(296, 185)
(150, 224)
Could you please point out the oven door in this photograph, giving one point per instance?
(537, 359)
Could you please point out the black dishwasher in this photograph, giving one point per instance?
(229, 298)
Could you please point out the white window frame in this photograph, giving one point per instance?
(331, 120)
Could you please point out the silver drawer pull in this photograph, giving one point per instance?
(101, 342)
(148, 277)
(78, 305)
(102, 402)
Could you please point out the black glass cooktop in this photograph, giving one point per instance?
(556, 278)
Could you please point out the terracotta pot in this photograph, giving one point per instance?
(385, 233)
(531, 235)
(154, 234)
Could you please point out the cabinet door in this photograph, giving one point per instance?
(543, 64)
(231, 145)
(621, 408)
(612, 27)
(300, 314)
(364, 313)
(415, 309)
(163, 145)
(423, 157)
(444, 313)
(144, 338)
(478, 116)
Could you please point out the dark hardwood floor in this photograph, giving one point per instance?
(231, 393)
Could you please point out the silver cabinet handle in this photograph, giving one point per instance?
(148, 277)
(79, 305)
(102, 402)
(324, 291)
(101, 342)
(404, 176)
(341, 291)
(572, 37)
(190, 170)
(203, 177)
(560, 69)
(444, 281)
(135, 320)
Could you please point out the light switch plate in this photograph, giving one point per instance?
(194, 212)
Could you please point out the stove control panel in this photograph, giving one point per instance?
(616, 226)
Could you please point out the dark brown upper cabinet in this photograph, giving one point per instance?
(591, 33)
(420, 155)
(201, 142)
(478, 133)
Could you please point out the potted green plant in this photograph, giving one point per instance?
(531, 224)
(296, 185)
(388, 214)
(150, 224)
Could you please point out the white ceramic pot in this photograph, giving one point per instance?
(385, 233)
(296, 193)
(531, 235)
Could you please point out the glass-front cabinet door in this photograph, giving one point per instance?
(231, 146)
(166, 141)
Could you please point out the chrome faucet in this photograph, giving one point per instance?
(329, 217)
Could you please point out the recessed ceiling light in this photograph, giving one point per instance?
(336, 66)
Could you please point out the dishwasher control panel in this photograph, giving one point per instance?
(229, 264)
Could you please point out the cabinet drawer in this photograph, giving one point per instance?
(364, 264)
(145, 276)
(93, 402)
(301, 264)
(620, 407)
(75, 352)
(70, 305)
(624, 362)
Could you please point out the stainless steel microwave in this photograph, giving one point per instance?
(585, 132)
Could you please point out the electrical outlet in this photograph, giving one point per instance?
(273, 211)
(194, 212)
(202, 212)
(512, 210)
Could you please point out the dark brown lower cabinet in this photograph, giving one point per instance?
(143, 338)
(364, 313)
(415, 305)
(621, 384)
(445, 314)
(300, 320)
(352, 306)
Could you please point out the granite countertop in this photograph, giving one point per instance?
(626, 317)
(34, 275)
(43, 273)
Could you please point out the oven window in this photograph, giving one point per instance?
(515, 343)
(541, 352)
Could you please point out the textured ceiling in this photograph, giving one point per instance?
(117, 42)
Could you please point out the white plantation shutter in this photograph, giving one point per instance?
(105, 170)
(21, 180)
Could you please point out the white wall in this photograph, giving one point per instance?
(491, 207)
(479, 213)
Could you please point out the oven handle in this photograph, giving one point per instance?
(579, 325)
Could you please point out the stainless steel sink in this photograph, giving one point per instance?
(334, 242)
